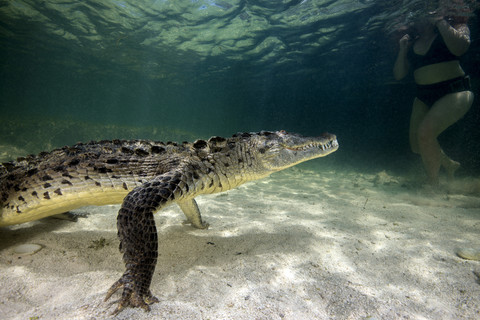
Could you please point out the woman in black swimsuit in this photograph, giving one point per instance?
(443, 89)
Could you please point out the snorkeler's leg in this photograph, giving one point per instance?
(450, 166)
(446, 111)
(419, 110)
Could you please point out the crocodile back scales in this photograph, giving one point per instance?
(97, 173)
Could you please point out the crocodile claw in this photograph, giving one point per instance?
(130, 297)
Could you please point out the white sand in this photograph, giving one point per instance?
(298, 245)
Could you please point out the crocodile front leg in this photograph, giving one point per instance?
(191, 211)
(139, 241)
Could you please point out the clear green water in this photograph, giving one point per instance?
(180, 70)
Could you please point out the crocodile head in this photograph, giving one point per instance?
(280, 149)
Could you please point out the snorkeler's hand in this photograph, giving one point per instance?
(404, 42)
(435, 16)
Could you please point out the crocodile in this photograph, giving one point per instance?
(145, 177)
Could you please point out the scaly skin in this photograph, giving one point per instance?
(145, 176)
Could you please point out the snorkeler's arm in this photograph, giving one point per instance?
(456, 38)
(401, 66)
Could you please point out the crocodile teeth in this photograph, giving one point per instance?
(311, 145)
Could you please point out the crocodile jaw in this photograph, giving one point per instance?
(285, 149)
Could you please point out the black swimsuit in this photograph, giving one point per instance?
(438, 52)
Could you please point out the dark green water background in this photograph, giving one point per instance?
(181, 70)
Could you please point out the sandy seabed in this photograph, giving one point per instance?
(302, 244)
